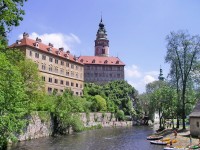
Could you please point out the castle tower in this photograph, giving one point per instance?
(160, 77)
(101, 42)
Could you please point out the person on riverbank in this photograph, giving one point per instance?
(175, 134)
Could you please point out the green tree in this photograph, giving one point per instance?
(13, 101)
(10, 15)
(183, 49)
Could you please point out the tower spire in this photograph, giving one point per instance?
(101, 42)
(160, 77)
(101, 17)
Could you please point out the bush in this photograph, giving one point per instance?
(120, 115)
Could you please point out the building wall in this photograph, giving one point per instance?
(57, 73)
(103, 73)
(195, 126)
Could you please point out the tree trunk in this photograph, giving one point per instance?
(160, 119)
(183, 104)
(177, 122)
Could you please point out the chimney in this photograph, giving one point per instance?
(50, 45)
(18, 42)
(38, 40)
(61, 49)
(25, 35)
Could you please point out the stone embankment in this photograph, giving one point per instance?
(40, 124)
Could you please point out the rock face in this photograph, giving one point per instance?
(37, 127)
(40, 124)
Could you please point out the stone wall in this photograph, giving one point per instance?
(40, 124)
(104, 119)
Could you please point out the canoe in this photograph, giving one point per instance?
(158, 142)
(166, 139)
(173, 148)
(194, 147)
(154, 137)
(173, 141)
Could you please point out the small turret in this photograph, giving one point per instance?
(160, 77)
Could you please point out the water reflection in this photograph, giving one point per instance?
(132, 138)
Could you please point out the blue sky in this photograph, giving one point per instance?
(136, 29)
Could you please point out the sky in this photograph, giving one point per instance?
(136, 29)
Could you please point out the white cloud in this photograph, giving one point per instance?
(57, 39)
(138, 79)
(132, 71)
(148, 78)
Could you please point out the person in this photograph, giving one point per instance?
(190, 140)
(170, 144)
(175, 133)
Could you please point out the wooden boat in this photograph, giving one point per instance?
(194, 147)
(158, 142)
(153, 137)
(174, 148)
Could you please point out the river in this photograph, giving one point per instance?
(131, 138)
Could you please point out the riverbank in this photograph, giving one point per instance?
(183, 137)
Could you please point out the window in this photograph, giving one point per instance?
(72, 74)
(56, 69)
(76, 75)
(81, 86)
(50, 80)
(67, 83)
(50, 68)
(72, 66)
(56, 81)
(50, 59)
(61, 71)
(36, 55)
(30, 53)
(43, 57)
(56, 61)
(67, 73)
(118, 75)
(76, 67)
(43, 67)
(61, 82)
(62, 62)
(49, 89)
(61, 91)
(197, 124)
(43, 78)
(76, 93)
(76, 84)
(67, 64)
(72, 84)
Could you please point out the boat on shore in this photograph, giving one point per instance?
(174, 148)
(159, 142)
(153, 137)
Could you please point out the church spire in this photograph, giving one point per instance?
(101, 42)
(160, 77)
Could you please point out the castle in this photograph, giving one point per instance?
(60, 69)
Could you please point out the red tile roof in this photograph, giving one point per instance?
(43, 47)
(101, 60)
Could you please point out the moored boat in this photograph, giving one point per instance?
(158, 142)
(174, 148)
(154, 137)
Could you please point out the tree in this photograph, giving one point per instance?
(183, 50)
(13, 101)
(10, 15)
